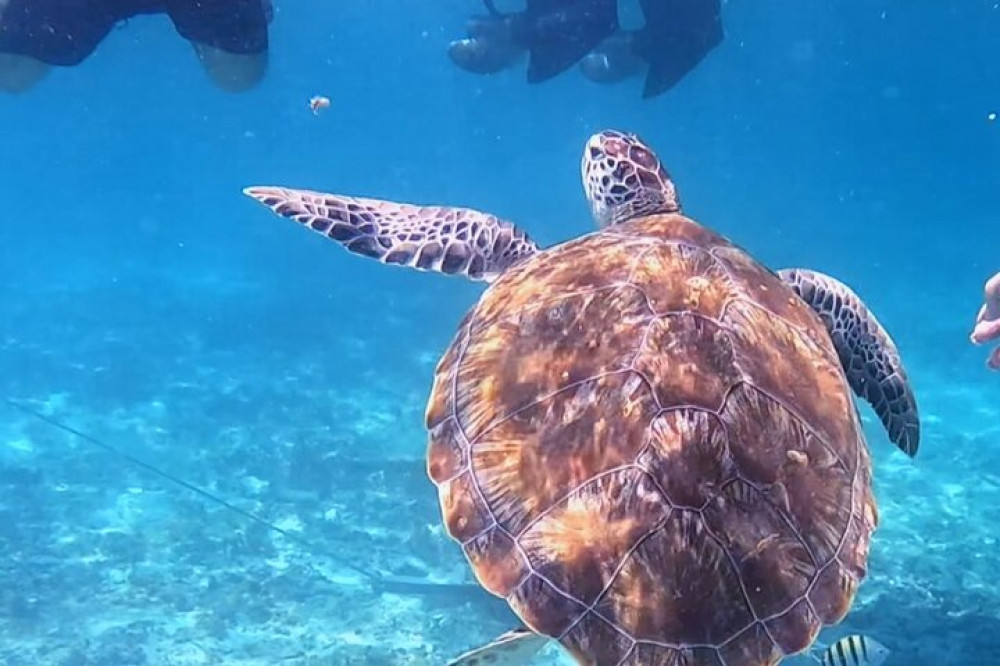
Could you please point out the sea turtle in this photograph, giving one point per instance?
(643, 439)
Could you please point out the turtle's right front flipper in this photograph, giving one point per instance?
(868, 354)
(449, 240)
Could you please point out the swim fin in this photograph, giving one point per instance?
(559, 33)
(677, 36)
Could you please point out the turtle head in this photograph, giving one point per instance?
(624, 179)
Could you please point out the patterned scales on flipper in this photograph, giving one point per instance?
(869, 356)
(514, 648)
(443, 239)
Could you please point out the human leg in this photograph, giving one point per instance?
(228, 36)
(35, 34)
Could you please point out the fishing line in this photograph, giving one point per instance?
(309, 547)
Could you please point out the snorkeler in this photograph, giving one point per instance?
(988, 320)
(555, 34)
(678, 34)
(229, 36)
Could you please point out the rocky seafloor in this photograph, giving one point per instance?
(319, 432)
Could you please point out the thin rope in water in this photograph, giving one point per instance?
(309, 547)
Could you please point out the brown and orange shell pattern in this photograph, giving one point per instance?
(645, 442)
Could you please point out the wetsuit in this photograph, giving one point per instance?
(66, 32)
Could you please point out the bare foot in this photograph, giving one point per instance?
(232, 72)
(19, 73)
(988, 320)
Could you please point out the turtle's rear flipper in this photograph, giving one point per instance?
(559, 33)
(677, 36)
(867, 353)
(453, 241)
(513, 648)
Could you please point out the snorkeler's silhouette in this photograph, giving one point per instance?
(229, 36)
(556, 34)
(677, 36)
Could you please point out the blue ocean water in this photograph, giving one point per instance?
(147, 302)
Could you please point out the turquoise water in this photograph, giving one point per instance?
(147, 302)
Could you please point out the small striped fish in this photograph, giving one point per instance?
(854, 650)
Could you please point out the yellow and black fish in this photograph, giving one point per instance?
(854, 650)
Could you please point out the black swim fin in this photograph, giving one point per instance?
(677, 36)
(559, 33)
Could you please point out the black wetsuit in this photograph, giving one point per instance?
(66, 32)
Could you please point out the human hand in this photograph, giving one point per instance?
(988, 320)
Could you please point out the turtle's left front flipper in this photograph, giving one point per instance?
(867, 353)
(442, 239)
